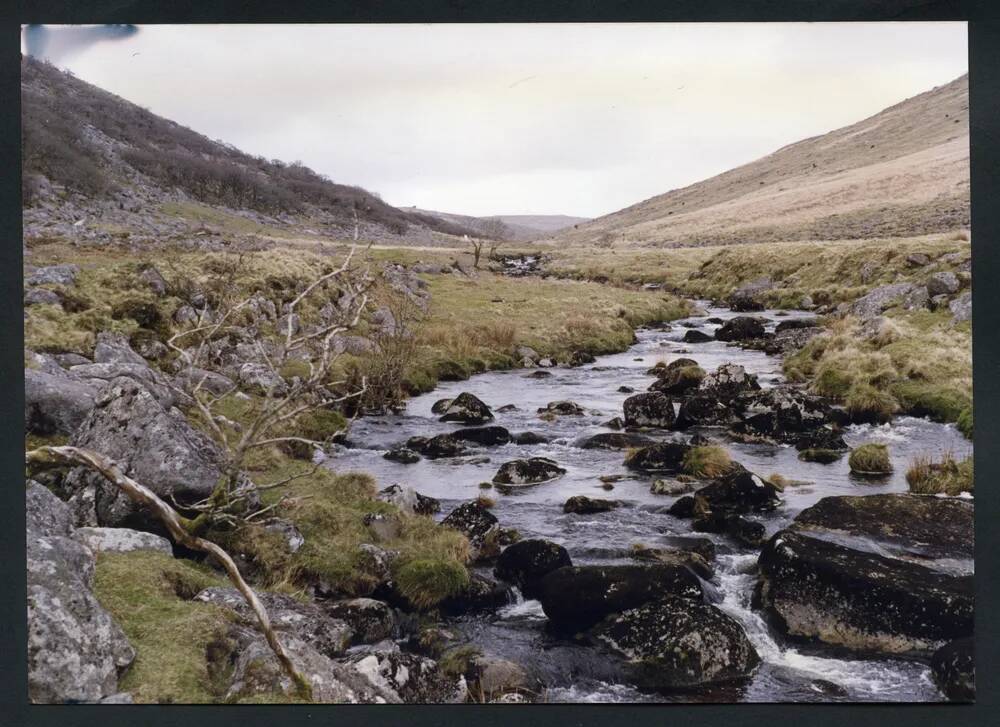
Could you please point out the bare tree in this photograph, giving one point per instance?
(394, 344)
(477, 248)
(497, 231)
(306, 335)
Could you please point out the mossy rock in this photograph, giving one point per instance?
(449, 370)
(870, 459)
(425, 582)
(820, 456)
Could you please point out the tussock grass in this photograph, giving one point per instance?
(870, 459)
(946, 476)
(707, 462)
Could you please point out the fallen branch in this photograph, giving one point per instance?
(47, 457)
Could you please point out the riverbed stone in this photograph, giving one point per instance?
(437, 447)
(678, 380)
(659, 457)
(466, 408)
(615, 440)
(526, 562)
(694, 336)
(728, 382)
(562, 408)
(953, 667)
(479, 525)
(531, 471)
(739, 492)
(740, 328)
(583, 505)
(704, 410)
(652, 409)
(486, 436)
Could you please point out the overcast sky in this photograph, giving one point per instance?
(542, 119)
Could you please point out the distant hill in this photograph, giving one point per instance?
(904, 171)
(519, 227)
(88, 154)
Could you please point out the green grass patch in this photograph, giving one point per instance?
(707, 462)
(870, 459)
(946, 476)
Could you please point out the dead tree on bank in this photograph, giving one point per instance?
(497, 231)
(306, 338)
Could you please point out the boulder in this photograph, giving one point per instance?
(260, 379)
(694, 336)
(562, 408)
(150, 379)
(577, 597)
(531, 471)
(908, 295)
(41, 296)
(412, 678)
(677, 643)
(693, 561)
(75, 649)
(56, 403)
(583, 505)
(579, 358)
(214, 383)
(740, 328)
(744, 301)
(482, 594)
(153, 446)
(704, 410)
(659, 457)
(121, 540)
(526, 562)
(329, 636)
(953, 667)
(529, 438)
(53, 275)
(651, 409)
(479, 525)
(437, 447)
(45, 513)
(368, 621)
(440, 406)
(113, 348)
(486, 436)
(678, 380)
(409, 500)
(943, 283)
(822, 438)
(747, 532)
(614, 440)
(467, 409)
(780, 414)
(728, 382)
(961, 308)
(403, 455)
(739, 492)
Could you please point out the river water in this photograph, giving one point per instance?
(578, 673)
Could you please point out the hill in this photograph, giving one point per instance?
(903, 171)
(96, 165)
(518, 227)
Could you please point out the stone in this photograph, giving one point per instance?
(154, 279)
(41, 296)
(781, 414)
(112, 348)
(677, 643)
(45, 513)
(409, 500)
(260, 379)
(403, 455)
(562, 408)
(151, 380)
(437, 447)
(740, 328)
(917, 260)
(121, 540)
(467, 409)
(614, 440)
(56, 403)
(485, 436)
(704, 410)
(739, 492)
(678, 380)
(659, 457)
(961, 308)
(943, 283)
(652, 409)
(414, 679)
(526, 562)
(528, 438)
(292, 536)
(953, 667)
(479, 525)
(53, 275)
(693, 336)
(531, 471)
(908, 295)
(727, 382)
(211, 381)
(583, 505)
(370, 621)
(580, 358)
(669, 487)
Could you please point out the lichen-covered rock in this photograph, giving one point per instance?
(467, 409)
(414, 679)
(614, 440)
(53, 275)
(155, 447)
(402, 455)
(908, 295)
(954, 669)
(704, 410)
(678, 380)
(780, 414)
(739, 492)
(370, 621)
(524, 563)
(121, 540)
(727, 382)
(481, 594)
(190, 379)
(436, 447)
(258, 378)
(659, 457)
(45, 513)
(747, 532)
(114, 348)
(56, 403)
(531, 471)
(307, 621)
(652, 409)
(486, 436)
(41, 296)
(562, 408)
(677, 643)
(409, 500)
(577, 597)
(961, 308)
(943, 283)
(583, 505)
(75, 649)
(740, 328)
(479, 525)
(153, 381)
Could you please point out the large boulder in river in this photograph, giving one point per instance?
(728, 382)
(56, 403)
(531, 471)
(477, 524)
(704, 410)
(652, 409)
(739, 492)
(614, 440)
(583, 505)
(740, 328)
(467, 409)
(696, 336)
(954, 669)
(524, 563)
(486, 436)
(780, 414)
(156, 447)
(75, 649)
(436, 447)
(677, 643)
(659, 457)
(677, 380)
(577, 597)
(861, 572)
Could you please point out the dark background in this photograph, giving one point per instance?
(984, 76)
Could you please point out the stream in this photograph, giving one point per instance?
(579, 673)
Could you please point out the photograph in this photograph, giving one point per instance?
(497, 363)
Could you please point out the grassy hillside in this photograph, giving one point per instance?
(902, 172)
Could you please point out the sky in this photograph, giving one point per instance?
(577, 119)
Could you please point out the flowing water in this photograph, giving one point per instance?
(574, 672)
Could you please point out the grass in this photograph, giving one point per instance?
(964, 422)
(707, 462)
(427, 582)
(946, 476)
(148, 594)
(870, 459)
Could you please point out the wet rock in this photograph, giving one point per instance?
(526, 562)
(821, 456)
(821, 438)
(409, 500)
(403, 455)
(53, 275)
(695, 562)
(467, 409)
(860, 599)
(583, 505)
(415, 679)
(495, 680)
(577, 597)
(676, 643)
(580, 358)
(961, 308)
(562, 408)
(678, 380)
(944, 283)
(155, 447)
(615, 423)
(56, 403)
(539, 374)
(614, 440)
(659, 457)
(479, 525)
(329, 636)
(780, 414)
(953, 667)
(740, 328)
(368, 620)
(704, 410)
(739, 492)
(441, 406)
(739, 528)
(683, 507)
(530, 471)
(669, 487)
(529, 438)
(728, 382)
(120, 540)
(625, 390)
(652, 409)
(75, 649)
(486, 436)
(437, 447)
(744, 302)
(693, 336)
(45, 513)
